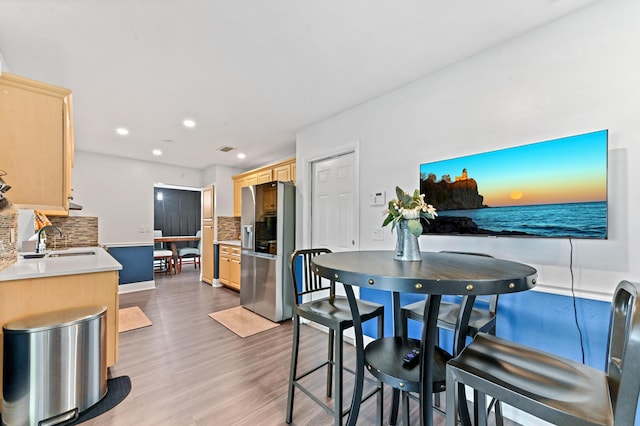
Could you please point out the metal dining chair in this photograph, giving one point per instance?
(333, 312)
(482, 319)
(553, 388)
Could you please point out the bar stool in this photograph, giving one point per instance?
(334, 313)
(556, 389)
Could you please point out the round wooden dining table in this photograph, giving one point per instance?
(438, 274)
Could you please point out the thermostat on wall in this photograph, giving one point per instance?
(377, 198)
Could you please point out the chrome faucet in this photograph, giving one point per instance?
(41, 242)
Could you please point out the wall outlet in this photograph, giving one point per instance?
(141, 229)
(377, 234)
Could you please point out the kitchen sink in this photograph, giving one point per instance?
(73, 253)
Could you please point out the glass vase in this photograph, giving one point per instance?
(407, 247)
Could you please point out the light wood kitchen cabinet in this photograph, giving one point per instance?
(269, 199)
(234, 272)
(206, 256)
(238, 184)
(207, 203)
(223, 264)
(207, 235)
(283, 171)
(264, 176)
(251, 179)
(36, 141)
(26, 297)
(229, 266)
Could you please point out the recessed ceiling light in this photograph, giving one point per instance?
(156, 152)
(189, 123)
(122, 131)
(241, 156)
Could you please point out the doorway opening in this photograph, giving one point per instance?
(177, 212)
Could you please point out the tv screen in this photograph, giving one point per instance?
(551, 189)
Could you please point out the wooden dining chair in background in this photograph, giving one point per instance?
(162, 258)
(187, 255)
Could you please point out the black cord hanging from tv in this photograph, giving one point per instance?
(575, 307)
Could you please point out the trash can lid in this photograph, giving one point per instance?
(55, 319)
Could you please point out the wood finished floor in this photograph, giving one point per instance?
(186, 369)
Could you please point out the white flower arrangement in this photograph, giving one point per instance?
(410, 208)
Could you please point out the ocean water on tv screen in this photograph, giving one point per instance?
(572, 220)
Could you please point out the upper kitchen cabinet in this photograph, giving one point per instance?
(284, 171)
(207, 203)
(36, 141)
(264, 176)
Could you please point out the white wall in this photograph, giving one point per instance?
(120, 192)
(3, 64)
(576, 75)
(221, 177)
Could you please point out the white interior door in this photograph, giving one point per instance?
(334, 203)
(334, 208)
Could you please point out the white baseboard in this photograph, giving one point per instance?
(134, 287)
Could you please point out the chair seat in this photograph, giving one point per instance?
(480, 320)
(162, 253)
(570, 389)
(334, 312)
(188, 251)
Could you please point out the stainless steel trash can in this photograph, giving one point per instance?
(54, 366)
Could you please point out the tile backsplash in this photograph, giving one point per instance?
(77, 231)
(228, 228)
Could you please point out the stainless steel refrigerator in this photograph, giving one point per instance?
(268, 238)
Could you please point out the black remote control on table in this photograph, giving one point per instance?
(411, 359)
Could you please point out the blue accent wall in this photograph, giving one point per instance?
(136, 261)
(541, 320)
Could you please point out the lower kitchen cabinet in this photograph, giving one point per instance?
(229, 266)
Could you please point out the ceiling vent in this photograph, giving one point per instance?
(226, 148)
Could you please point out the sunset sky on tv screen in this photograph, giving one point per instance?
(567, 170)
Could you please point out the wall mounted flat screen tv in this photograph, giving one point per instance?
(552, 189)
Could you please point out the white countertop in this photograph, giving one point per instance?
(50, 265)
(229, 242)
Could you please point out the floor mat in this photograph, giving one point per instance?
(243, 322)
(131, 319)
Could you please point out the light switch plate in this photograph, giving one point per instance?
(378, 198)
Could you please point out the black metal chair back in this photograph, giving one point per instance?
(305, 281)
